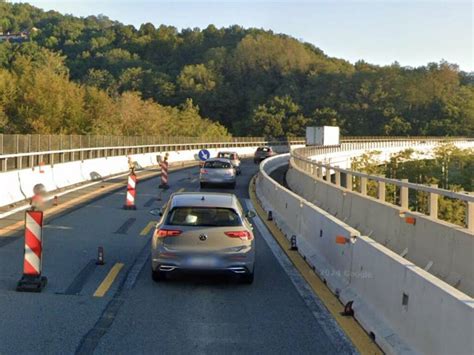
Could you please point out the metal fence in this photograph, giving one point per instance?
(19, 143)
(28, 143)
(27, 151)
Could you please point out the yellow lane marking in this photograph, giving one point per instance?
(148, 228)
(349, 325)
(181, 189)
(108, 281)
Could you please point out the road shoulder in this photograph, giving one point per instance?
(349, 325)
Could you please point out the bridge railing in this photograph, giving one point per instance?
(27, 143)
(27, 151)
(348, 179)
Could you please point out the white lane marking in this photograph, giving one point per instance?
(328, 324)
(52, 226)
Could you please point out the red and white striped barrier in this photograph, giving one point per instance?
(32, 281)
(131, 192)
(164, 175)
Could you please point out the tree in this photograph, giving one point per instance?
(233, 73)
(279, 117)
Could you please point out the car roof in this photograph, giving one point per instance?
(227, 152)
(204, 199)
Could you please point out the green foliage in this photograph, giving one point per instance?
(279, 117)
(450, 168)
(36, 96)
(235, 76)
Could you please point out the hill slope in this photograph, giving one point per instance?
(251, 81)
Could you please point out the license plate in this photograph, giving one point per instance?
(202, 261)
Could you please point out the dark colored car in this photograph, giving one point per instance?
(262, 153)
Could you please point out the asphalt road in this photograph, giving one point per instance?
(276, 314)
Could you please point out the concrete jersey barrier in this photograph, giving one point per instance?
(407, 310)
(20, 183)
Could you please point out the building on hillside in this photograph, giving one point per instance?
(17, 37)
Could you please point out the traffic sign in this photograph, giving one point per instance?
(204, 154)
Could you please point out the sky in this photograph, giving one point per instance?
(413, 33)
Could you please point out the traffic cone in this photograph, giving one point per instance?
(100, 256)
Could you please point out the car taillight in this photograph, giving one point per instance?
(163, 233)
(203, 171)
(244, 235)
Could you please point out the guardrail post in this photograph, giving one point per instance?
(363, 185)
(433, 203)
(319, 172)
(349, 181)
(404, 195)
(328, 173)
(338, 176)
(381, 190)
(470, 216)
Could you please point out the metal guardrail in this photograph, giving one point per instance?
(15, 161)
(301, 157)
(27, 143)
(26, 151)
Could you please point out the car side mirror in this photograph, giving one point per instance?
(250, 214)
(156, 212)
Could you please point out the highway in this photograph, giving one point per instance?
(117, 308)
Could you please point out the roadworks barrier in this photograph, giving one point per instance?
(404, 308)
(131, 192)
(32, 280)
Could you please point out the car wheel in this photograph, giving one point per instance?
(255, 161)
(232, 186)
(247, 278)
(157, 276)
(203, 185)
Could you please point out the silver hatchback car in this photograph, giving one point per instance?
(217, 171)
(234, 159)
(203, 232)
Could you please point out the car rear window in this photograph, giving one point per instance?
(203, 217)
(263, 149)
(217, 165)
(227, 155)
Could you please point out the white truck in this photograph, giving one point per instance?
(325, 135)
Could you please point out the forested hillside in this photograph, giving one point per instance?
(251, 81)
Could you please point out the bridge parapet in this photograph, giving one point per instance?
(28, 151)
(397, 299)
(317, 162)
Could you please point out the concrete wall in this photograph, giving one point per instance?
(447, 250)
(18, 185)
(436, 319)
